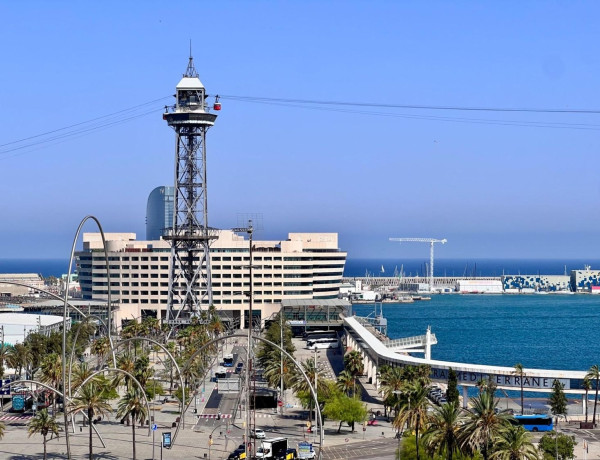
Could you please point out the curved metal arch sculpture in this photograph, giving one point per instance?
(298, 366)
(162, 347)
(51, 388)
(64, 342)
(114, 369)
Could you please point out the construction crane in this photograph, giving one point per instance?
(431, 241)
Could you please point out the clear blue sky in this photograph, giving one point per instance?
(506, 189)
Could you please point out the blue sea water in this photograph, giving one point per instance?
(44, 267)
(465, 267)
(539, 331)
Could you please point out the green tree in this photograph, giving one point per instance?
(345, 409)
(52, 372)
(442, 431)
(91, 399)
(353, 363)
(564, 445)
(408, 451)
(132, 405)
(514, 443)
(19, 358)
(557, 400)
(345, 382)
(44, 424)
(483, 425)
(452, 394)
(391, 380)
(520, 372)
(412, 409)
(100, 347)
(594, 374)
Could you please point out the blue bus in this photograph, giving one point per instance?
(535, 422)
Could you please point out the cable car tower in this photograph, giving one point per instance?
(189, 278)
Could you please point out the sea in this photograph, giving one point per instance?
(539, 331)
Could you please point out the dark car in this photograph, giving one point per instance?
(239, 367)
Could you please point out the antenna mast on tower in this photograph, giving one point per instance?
(189, 278)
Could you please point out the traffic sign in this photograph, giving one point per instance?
(154, 427)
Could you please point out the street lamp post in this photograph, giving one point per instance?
(249, 230)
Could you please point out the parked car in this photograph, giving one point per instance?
(258, 434)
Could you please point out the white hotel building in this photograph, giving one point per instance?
(305, 266)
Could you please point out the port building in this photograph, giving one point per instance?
(303, 266)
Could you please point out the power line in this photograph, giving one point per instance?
(409, 106)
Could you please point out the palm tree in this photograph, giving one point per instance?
(19, 357)
(91, 399)
(345, 382)
(586, 385)
(44, 424)
(4, 354)
(483, 425)
(520, 372)
(594, 374)
(412, 409)
(391, 380)
(132, 405)
(2, 429)
(514, 443)
(100, 348)
(353, 363)
(51, 369)
(442, 430)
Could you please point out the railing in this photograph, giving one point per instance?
(410, 342)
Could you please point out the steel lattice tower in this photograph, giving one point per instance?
(190, 278)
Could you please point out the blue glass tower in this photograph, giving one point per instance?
(159, 212)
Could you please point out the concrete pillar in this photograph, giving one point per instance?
(428, 343)
(465, 396)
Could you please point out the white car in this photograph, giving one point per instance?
(258, 434)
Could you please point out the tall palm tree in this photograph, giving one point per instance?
(520, 372)
(594, 374)
(44, 424)
(483, 424)
(586, 385)
(51, 369)
(2, 429)
(19, 357)
(345, 382)
(514, 443)
(132, 405)
(391, 380)
(100, 348)
(4, 354)
(412, 409)
(353, 363)
(442, 430)
(90, 399)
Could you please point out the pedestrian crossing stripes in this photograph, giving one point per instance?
(214, 416)
(12, 418)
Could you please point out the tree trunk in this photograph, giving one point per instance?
(45, 453)
(595, 402)
(133, 432)
(522, 408)
(586, 406)
(417, 435)
(340, 427)
(90, 415)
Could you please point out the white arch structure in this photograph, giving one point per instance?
(375, 354)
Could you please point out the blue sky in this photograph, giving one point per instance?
(491, 183)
